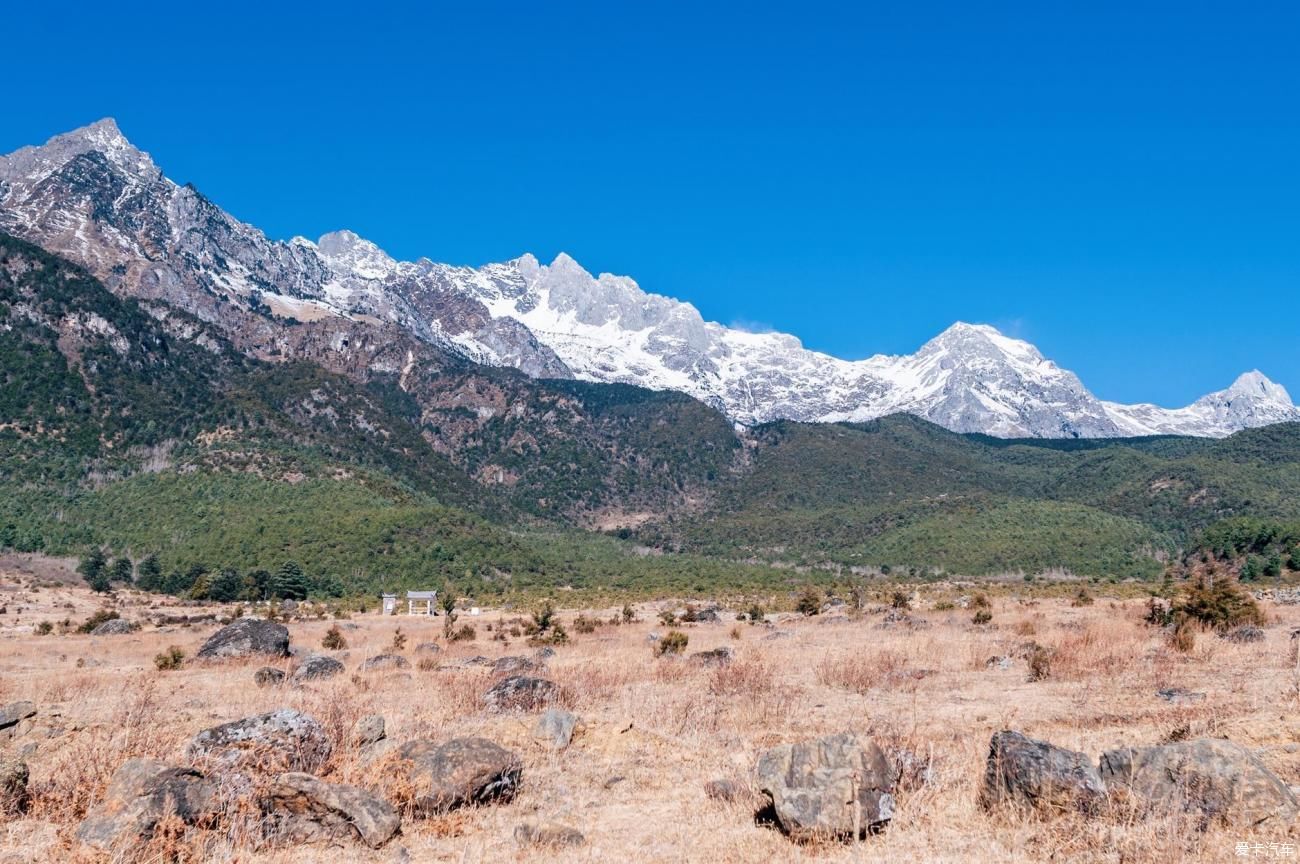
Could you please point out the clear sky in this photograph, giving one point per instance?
(1117, 182)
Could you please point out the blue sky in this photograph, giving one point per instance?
(1118, 183)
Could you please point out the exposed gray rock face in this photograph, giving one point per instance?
(556, 727)
(1034, 774)
(460, 772)
(317, 667)
(141, 794)
(521, 693)
(285, 738)
(246, 637)
(1217, 780)
(829, 788)
(514, 665)
(307, 810)
(91, 196)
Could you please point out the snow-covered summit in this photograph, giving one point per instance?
(92, 196)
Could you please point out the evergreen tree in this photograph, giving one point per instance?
(9, 536)
(122, 570)
(149, 575)
(93, 568)
(225, 586)
(257, 585)
(290, 583)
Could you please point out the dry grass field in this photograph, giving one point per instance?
(658, 728)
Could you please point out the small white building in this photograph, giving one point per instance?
(421, 602)
(390, 603)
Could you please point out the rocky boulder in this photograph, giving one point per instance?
(14, 717)
(521, 693)
(384, 662)
(269, 676)
(284, 739)
(142, 793)
(112, 627)
(514, 665)
(716, 657)
(1217, 780)
(246, 637)
(556, 727)
(368, 730)
(304, 809)
(316, 667)
(460, 772)
(1034, 774)
(829, 788)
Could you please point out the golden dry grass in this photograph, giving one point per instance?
(658, 728)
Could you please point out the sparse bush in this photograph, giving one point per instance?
(544, 617)
(463, 633)
(583, 624)
(1040, 663)
(1183, 637)
(945, 606)
(1219, 603)
(735, 632)
(900, 600)
(810, 602)
(333, 640)
(45, 628)
(755, 614)
(673, 642)
(1159, 613)
(399, 641)
(668, 618)
(981, 617)
(170, 659)
(629, 614)
(1083, 598)
(427, 664)
(980, 601)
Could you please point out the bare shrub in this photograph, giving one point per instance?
(673, 642)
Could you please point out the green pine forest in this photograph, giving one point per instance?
(154, 440)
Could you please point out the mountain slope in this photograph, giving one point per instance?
(92, 196)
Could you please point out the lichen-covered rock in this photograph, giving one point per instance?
(460, 772)
(717, 657)
(316, 667)
(514, 665)
(1218, 780)
(12, 717)
(246, 637)
(284, 739)
(141, 794)
(1040, 776)
(521, 693)
(829, 788)
(305, 809)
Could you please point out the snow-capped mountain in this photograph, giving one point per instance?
(91, 196)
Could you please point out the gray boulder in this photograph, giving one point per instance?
(316, 667)
(547, 834)
(12, 717)
(716, 657)
(269, 676)
(829, 788)
(514, 665)
(368, 730)
(141, 794)
(246, 637)
(1025, 772)
(384, 662)
(428, 648)
(1217, 780)
(521, 693)
(112, 627)
(460, 772)
(304, 809)
(556, 727)
(284, 739)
